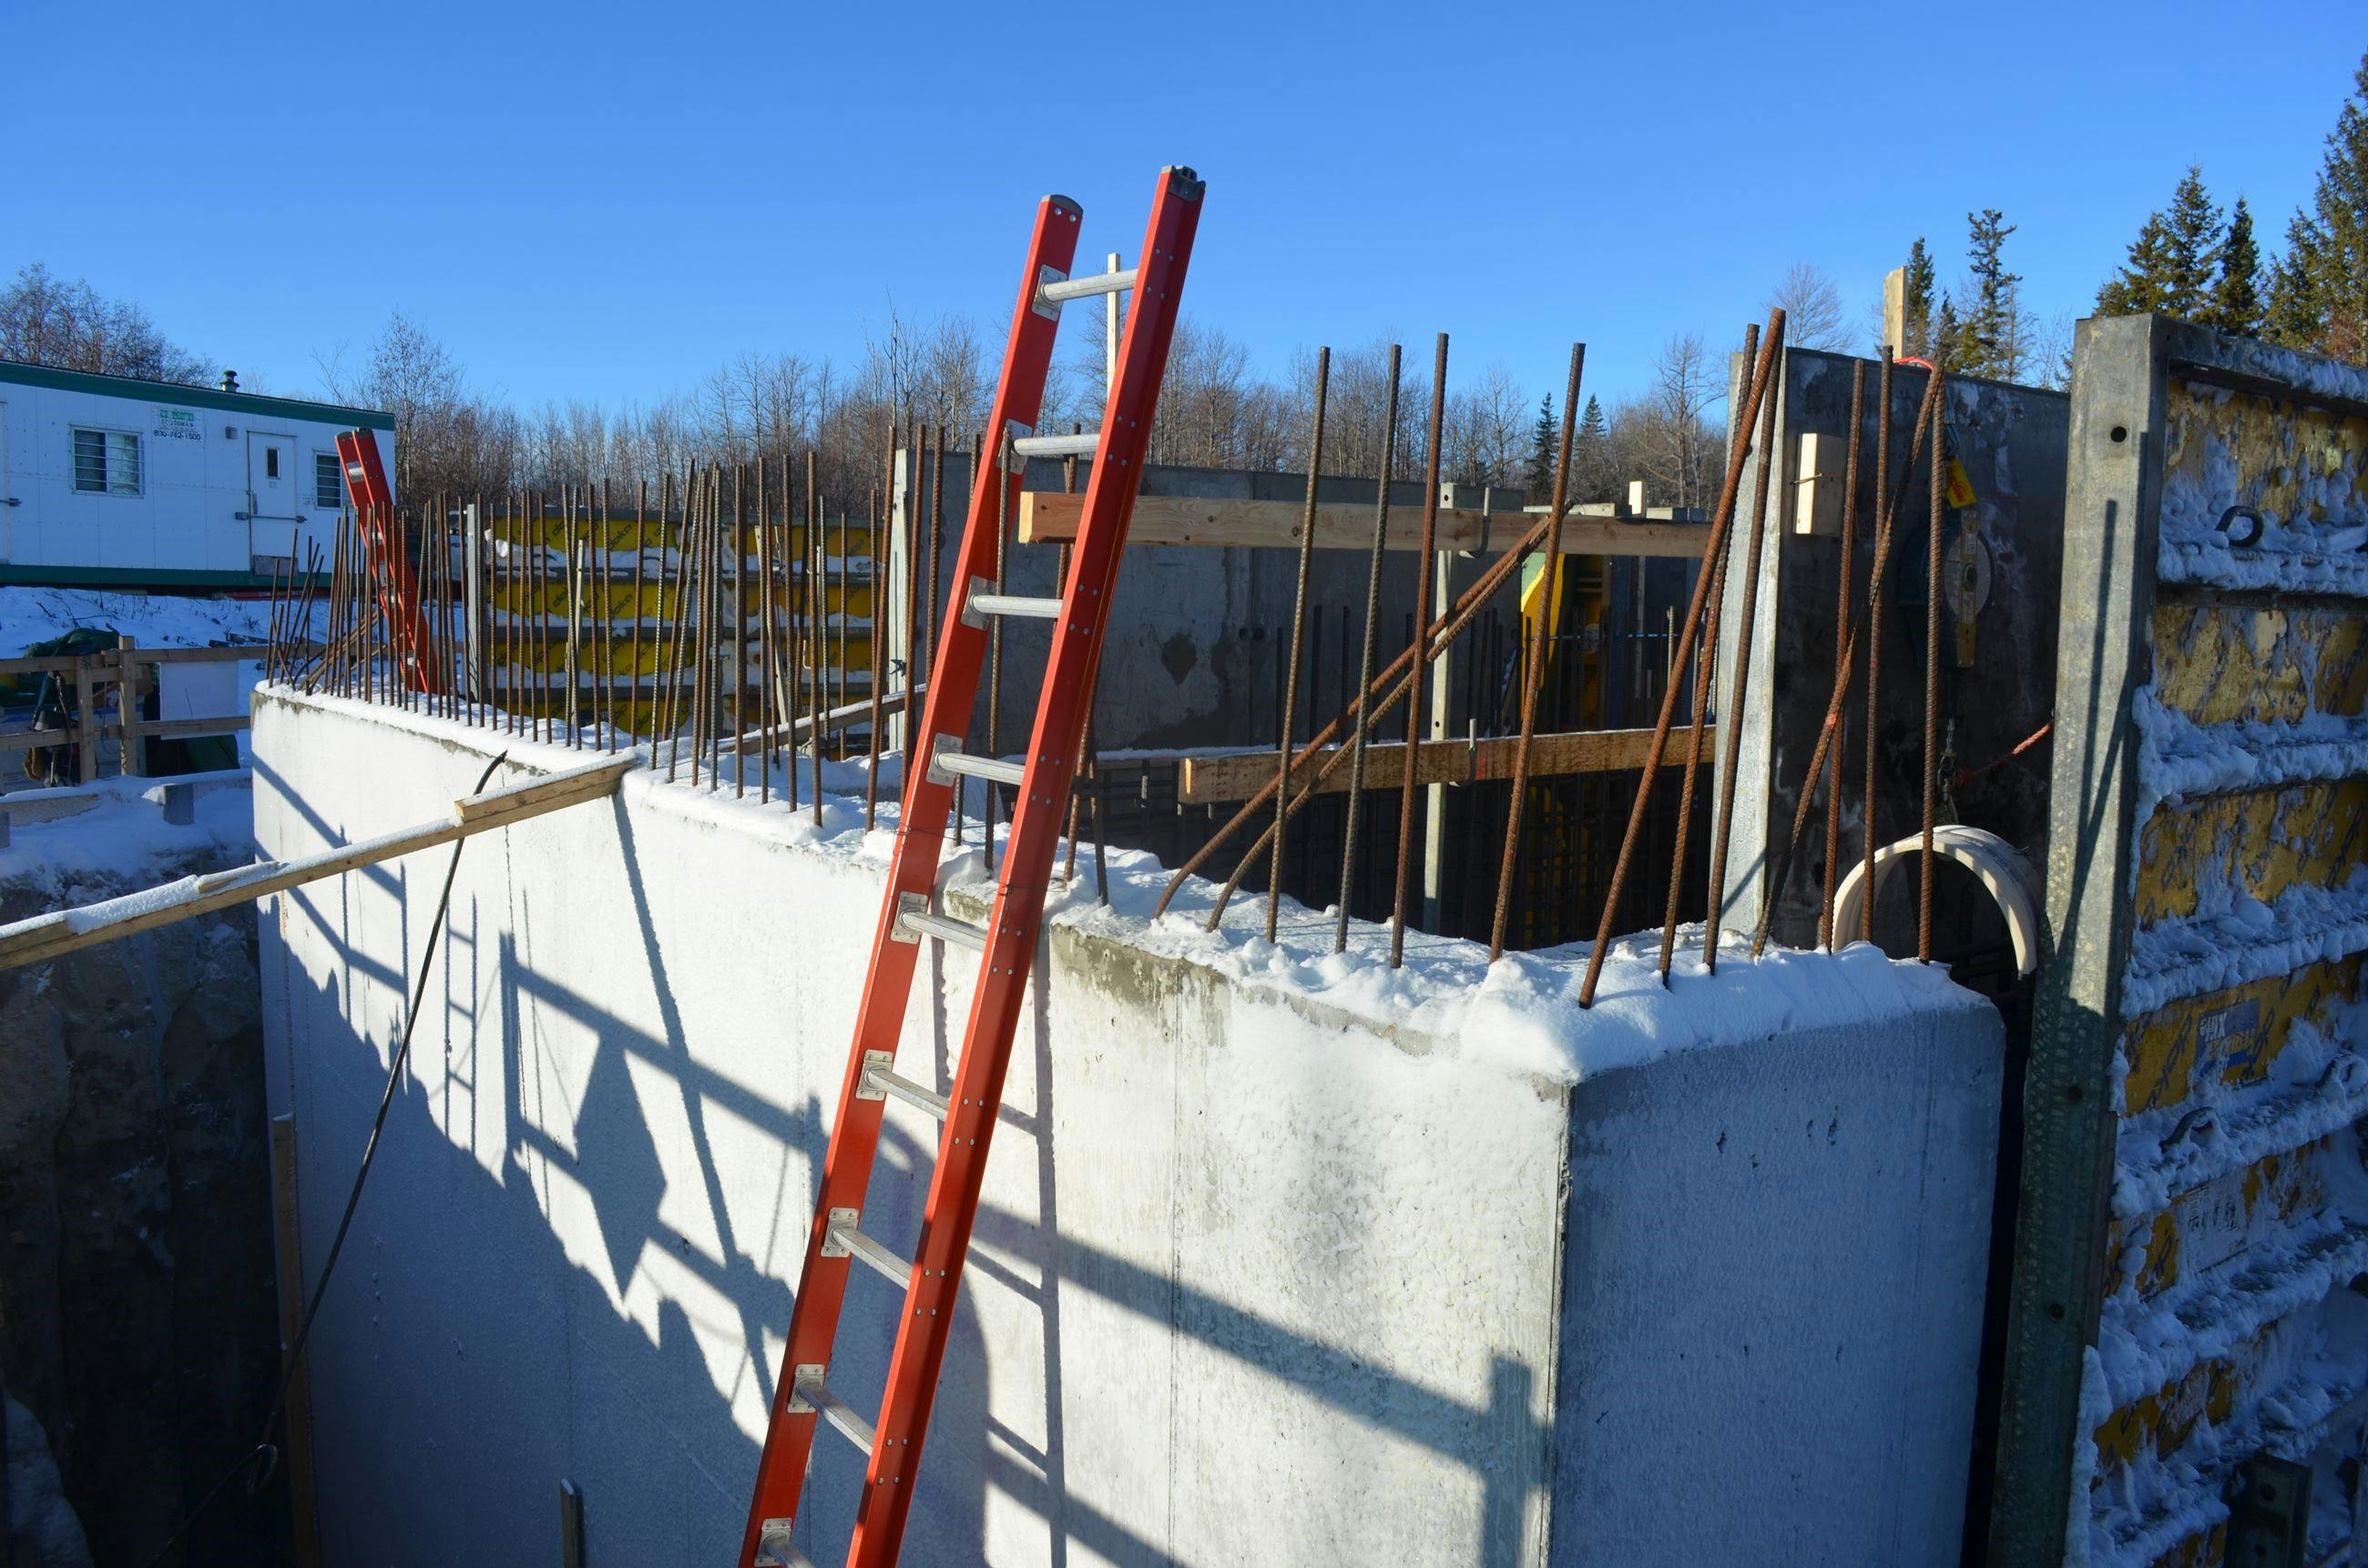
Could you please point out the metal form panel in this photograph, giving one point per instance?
(2187, 1331)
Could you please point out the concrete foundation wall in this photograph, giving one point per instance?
(1262, 1276)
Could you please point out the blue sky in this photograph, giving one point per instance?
(606, 200)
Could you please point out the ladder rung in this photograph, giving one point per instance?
(1057, 446)
(838, 1412)
(884, 1263)
(774, 1550)
(912, 1094)
(923, 922)
(1090, 284)
(1016, 604)
(952, 760)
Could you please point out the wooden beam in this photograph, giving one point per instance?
(1047, 517)
(67, 930)
(1206, 779)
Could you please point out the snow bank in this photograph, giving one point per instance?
(124, 835)
(153, 620)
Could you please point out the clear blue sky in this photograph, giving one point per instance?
(606, 200)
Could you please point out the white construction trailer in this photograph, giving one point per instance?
(109, 481)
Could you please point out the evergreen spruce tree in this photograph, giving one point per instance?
(2339, 259)
(1591, 459)
(1539, 481)
(2237, 295)
(1916, 329)
(1947, 339)
(2138, 287)
(1993, 338)
(2193, 229)
(2294, 316)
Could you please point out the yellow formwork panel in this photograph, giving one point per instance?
(850, 540)
(2209, 1224)
(2216, 663)
(2289, 458)
(656, 654)
(2234, 1035)
(2261, 842)
(527, 595)
(2165, 1419)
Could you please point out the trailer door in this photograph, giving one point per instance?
(271, 515)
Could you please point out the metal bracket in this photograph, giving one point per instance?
(908, 903)
(831, 1245)
(874, 1062)
(939, 747)
(1045, 277)
(804, 1373)
(978, 585)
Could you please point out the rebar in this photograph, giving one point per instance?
(1422, 591)
(814, 626)
(1739, 682)
(1549, 598)
(1351, 821)
(1298, 636)
(1874, 634)
(1722, 519)
(769, 689)
(1842, 648)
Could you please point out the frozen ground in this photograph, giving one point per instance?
(153, 620)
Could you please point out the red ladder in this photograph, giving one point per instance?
(388, 568)
(931, 1279)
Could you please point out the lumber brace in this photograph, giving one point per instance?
(1046, 518)
(66, 930)
(1204, 779)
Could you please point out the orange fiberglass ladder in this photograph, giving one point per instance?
(1007, 944)
(384, 566)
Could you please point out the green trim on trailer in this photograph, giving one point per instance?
(14, 576)
(15, 373)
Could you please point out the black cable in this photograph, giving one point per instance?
(265, 1449)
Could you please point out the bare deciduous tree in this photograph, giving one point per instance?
(46, 321)
(1812, 307)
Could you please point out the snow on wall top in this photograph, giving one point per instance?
(1521, 1014)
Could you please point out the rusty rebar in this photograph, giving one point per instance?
(1739, 681)
(1874, 634)
(1706, 668)
(1722, 519)
(871, 636)
(1549, 591)
(1351, 821)
(1391, 684)
(1841, 647)
(1298, 636)
(814, 608)
(1422, 591)
(768, 687)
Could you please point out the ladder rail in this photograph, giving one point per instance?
(1036, 825)
(920, 833)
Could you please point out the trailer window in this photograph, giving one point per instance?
(328, 480)
(106, 462)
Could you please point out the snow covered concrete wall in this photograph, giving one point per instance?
(1284, 1258)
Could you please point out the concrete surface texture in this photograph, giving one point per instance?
(1262, 1275)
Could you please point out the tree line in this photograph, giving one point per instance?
(1218, 410)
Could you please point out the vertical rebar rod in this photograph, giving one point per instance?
(604, 701)
(1843, 643)
(1937, 455)
(936, 607)
(636, 712)
(1421, 636)
(1549, 592)
(739, 718)
(1705, 669)
(814, 625)
(768, 691)
(1875, 635)
(1722, 520)
(1738, 678)
(1352, 821)
(1298, 639)
(877, 647)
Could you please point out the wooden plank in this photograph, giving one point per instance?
(64, 931)
(1047, 517)
(302, 1507)
(26, 740)
(1206, 779)
(174, 729)
(48, 662)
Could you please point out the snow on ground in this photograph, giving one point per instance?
(122, 834)
(153, 620)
